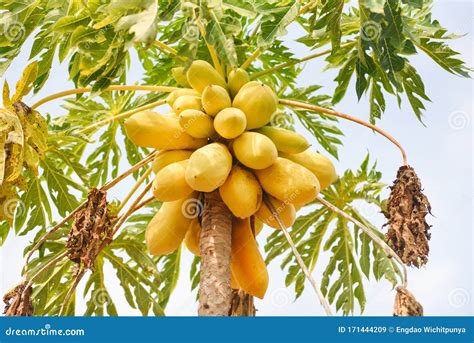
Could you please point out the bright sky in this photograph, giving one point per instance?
(441, 153)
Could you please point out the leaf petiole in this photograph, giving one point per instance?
(377, 240)
(300, 261)
(124, 115)
(166, 48)
(319, 109)
(164, 89)
(251, 58)
(134, 189)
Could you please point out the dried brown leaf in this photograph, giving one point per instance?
(91, 230)
(406, 304)
(408, 233)
(18, 301)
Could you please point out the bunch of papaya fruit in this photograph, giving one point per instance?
(218, 136)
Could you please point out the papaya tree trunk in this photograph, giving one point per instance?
(242, 304)
(215, 293)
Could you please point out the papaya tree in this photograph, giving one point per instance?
(217, 140)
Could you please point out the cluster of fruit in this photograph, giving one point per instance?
(217, 137)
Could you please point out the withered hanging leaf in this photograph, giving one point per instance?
(23, 143)
(91, 230)
(13, 140)
(18, 301)
(408, 233)
(406, 304)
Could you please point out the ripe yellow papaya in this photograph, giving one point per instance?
(193, 237)
(201, 74)
(230, 122)
(319, 165)
(258, 225)
(285, 210)
(169, 183)
(214, 99)
(186, 102)
(163, 132)
(246, 262)
(255, 150)
(197, 123)
(258, 102)
(167, 229)
(241, 192)
(180, 76)
(236, 79)
(209, 167)
(289, 182)
(167, 157)
(285, 140)
(180, 92)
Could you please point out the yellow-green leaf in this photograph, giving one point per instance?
(25, 84)
(6, 95)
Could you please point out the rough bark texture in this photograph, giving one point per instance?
(242, 304)
(18, 302)
(408, 233)
(215, 293)
(406, 304)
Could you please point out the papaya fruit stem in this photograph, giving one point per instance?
(251, 58)
(377, 240)
(300, 261)
(134, 189)
(163, 89)
(328, 111)
(297, 61)
(166, 48)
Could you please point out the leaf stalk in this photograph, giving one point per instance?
(163, 89)
(300, 261)
(380, 242)
(123, 115)
(330, 112)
